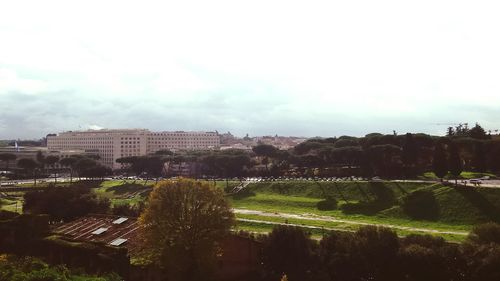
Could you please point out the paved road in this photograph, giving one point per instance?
(332, 219)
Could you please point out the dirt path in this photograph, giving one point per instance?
(332, 219)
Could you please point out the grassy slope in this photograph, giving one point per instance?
(459, 209)
(133, 192)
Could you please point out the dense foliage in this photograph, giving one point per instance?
(182, 224)
(388, 156)
(31, 269)
(64, 203)
(375, 253)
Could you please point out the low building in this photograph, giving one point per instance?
(113, 231)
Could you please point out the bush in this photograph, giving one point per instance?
(427, 241)
(128, 210)
(485, 234)
(421, 204)
(327, 204)
(288, 250)
(369, 207)
(32, 269)
(64, 203)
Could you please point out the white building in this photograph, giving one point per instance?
(113, 144)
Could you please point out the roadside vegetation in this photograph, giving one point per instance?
(13, 268)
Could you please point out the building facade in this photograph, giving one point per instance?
(113, 144)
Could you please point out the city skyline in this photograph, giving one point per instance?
(264, 68)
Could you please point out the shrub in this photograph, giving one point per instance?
(64, 203)
(288, 250)
(485, 234)
(369, 207)
(327, 204)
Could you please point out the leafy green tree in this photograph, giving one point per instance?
(97, 171)
(385, 159)
(51, 161)
(479, 158)
(7, 157)
(63, 203)
(266, 151)
(183, 223)
(29, 166)
(486, 233)
(455, 162)
(84, 164)
(70, 163)
(439, 161)
(477, 132)
(40, 159)
(289, 250)
(164, 152)
(368, 254)
(410, 154)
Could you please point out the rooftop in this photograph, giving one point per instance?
(106, 229)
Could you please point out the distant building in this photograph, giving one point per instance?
(113, 144)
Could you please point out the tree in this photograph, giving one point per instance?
(477, 132)
(439, 161)
(485, 234)
(97, 171)
(288, 250)
(182, 224)
(29, 166)
(40, 158)
(69, 162)
(51, 161)
(454, 162)
(479, 158)
(7, 157)
(164, 152)
(409, 154)
(266, 151)
(84, 164)
(386, 159)
(63, 203)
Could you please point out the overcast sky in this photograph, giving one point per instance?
(305, 68)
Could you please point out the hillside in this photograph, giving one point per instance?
(352, 203)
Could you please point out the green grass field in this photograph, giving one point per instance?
(463, 175)
(132, 192)
(459, 209)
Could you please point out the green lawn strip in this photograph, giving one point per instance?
(344, 226)
(463, 175)
(264, 228)
(323, 226)
(349, 190)
(304, 205)
(458, 210)
(40, 184)
(132, 192)
(10, 205)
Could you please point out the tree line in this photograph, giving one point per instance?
(377, 253)
(76, 165)
(387, 156)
